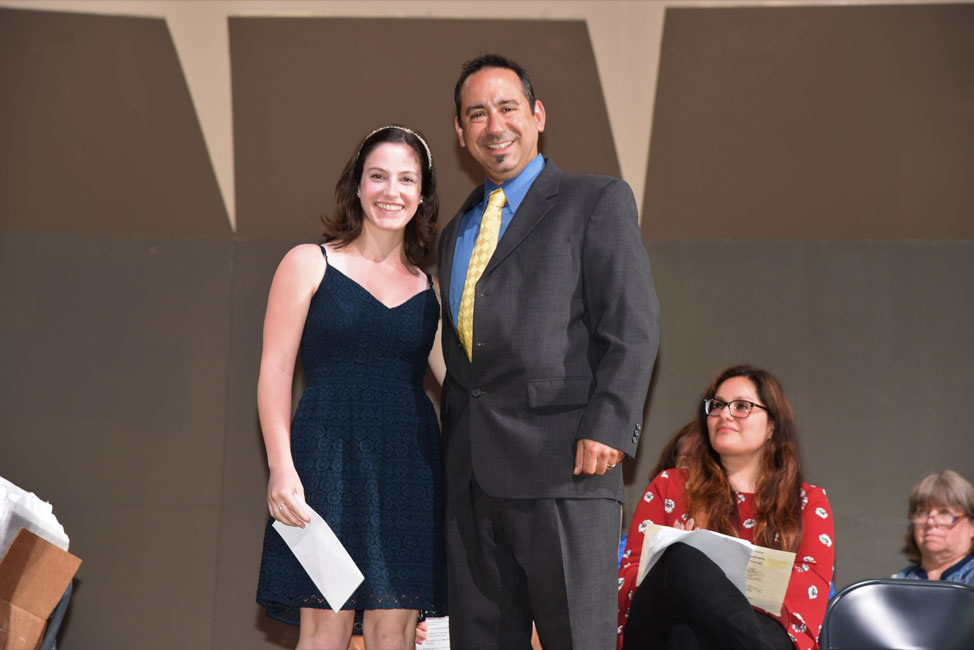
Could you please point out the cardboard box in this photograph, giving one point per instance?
(33, 576)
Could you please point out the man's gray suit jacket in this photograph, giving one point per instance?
(565, 333)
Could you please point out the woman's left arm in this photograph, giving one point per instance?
(811, 577)
(436, 362)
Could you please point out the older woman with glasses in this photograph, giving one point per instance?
(743, 478)
(940, 539)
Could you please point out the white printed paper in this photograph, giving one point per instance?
(322, 555)
(438, 634)
(760, 573)
(768, 573)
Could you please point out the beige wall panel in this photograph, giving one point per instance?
(625, 37)
(814, 122)
(98, 130)
(307, 90)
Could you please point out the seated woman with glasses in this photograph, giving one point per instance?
(940, 539)
(743, 478)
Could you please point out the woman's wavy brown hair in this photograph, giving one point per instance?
(345, 225)
(672, 451)
(778, 495)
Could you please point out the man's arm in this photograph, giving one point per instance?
(624, 319)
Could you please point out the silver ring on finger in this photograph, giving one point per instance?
(280, 506)
(610, 465)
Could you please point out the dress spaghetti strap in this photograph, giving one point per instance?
(324, 251)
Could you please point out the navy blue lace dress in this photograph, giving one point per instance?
(366, 444)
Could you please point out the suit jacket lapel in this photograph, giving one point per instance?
(535, 207)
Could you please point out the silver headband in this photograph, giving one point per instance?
(429, 155)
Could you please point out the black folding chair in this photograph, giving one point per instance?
(900, 615)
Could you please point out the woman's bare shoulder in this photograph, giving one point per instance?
(304, 258)
(301, 268)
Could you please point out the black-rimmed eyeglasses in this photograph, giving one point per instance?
(739, 408)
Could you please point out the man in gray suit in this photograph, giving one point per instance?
(550, 332)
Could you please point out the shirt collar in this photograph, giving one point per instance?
(954, 568)
(517, 188)
(946, 573)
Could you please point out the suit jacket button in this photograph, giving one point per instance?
(475, 392)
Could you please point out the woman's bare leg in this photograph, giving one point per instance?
(323, 629)
(390, 629)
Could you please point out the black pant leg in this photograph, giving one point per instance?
(684, 593)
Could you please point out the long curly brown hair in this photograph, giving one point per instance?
(778, 498)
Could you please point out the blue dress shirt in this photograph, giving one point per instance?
(514, 190)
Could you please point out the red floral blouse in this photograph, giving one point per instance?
(808, 590)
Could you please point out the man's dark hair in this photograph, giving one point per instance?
(493, 61)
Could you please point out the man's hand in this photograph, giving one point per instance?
(592, 457)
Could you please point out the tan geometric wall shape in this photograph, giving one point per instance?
(98, 130)
(306, 90)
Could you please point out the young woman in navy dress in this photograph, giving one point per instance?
(363, 448)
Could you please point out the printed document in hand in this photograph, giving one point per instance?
(762, 574)
(327, 562)
(438, 634)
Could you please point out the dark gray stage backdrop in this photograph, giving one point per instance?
(807, 209)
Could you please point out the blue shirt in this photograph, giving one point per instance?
(515, 190)
(962, 571)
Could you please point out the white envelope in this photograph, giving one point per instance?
(327, 562)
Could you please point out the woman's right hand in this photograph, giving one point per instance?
(285, 498)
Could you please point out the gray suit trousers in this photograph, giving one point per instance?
(510, 563)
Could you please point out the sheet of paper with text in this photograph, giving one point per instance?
(438, 636)
(760, 573)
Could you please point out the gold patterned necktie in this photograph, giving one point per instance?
(483, 248)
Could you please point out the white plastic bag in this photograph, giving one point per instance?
(22, 509)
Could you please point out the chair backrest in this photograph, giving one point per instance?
(900, 615)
